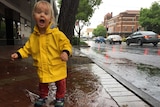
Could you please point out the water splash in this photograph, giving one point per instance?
(51, 94)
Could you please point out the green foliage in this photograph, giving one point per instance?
(59, 3)
(150, 18)
(82, 43)
(149, 69)
(86, 9)
(100, 31)
(123, 39)
(75, 41)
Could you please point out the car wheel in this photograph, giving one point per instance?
(140, 43)
(127, 42)
(120, 42)
(155, 43)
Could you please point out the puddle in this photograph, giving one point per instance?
(11, 68)
(84, 89)
(83, 86)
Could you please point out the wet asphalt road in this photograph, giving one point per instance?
(138, 65)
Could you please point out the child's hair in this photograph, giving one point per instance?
(49, 6)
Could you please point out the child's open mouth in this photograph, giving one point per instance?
(42, 21)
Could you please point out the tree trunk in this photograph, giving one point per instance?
(66, 20)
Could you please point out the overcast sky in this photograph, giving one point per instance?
(117, 6)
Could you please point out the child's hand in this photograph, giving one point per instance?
(64, 56)
(14, 56)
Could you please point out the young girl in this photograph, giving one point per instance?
(49, 49)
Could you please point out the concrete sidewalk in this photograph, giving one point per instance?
(87, 84)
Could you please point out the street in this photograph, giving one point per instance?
(140, 66)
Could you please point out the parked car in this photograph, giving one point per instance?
(100, 39)
(112, 39)
(141, 37)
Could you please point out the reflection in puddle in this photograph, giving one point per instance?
(158, 52)
(146, 51)
(113, 49)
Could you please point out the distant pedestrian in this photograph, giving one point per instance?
(50, 49)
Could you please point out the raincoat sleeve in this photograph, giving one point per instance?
(65, 44)
(25, 50)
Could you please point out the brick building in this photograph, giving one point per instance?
(125, 23)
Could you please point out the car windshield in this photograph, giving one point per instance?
(148, 33)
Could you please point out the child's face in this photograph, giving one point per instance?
(42, 16)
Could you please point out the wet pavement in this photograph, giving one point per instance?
(87, 84)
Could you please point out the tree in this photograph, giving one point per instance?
(150, 18)
(100, 31)
(67, 15)
(85, 11)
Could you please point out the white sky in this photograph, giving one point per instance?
(117, 6)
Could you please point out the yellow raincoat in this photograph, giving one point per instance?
(45, 50)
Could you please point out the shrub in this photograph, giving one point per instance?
(75, 41)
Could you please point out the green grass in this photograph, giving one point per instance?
(149, 69)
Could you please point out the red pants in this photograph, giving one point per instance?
(61, 89)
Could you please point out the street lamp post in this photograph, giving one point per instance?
(132, 29)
